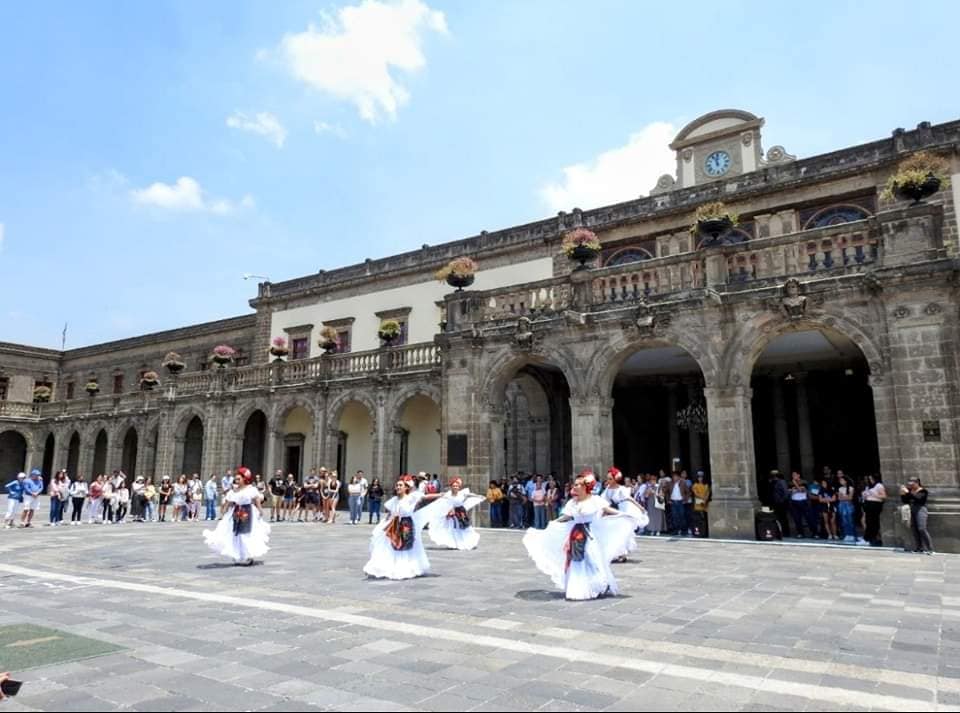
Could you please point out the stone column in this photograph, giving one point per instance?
(380, 436)
(732, 463)
(592, 418)
(696, 448)
(62, 451)
(167, 448)
(213, 460)
(781, 432)
(806, 437)
(672, 408)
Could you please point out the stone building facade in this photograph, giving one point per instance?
(820, 332)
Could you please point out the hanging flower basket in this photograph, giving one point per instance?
(917, 177)
(458, 273)
(329, 340)
(581, 245)
(278, 348)
(223, 355)
(713, 221)
(389, 331)
(149, 380)
(173, 363)
(42, 394)
(92, 388)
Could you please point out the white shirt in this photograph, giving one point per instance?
(363, 487)
(676, 494)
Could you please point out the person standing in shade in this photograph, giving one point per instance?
(517, 500)
(845, 509)
(780, 500)
(210, 496)
(873, 498)
(701, 504)
(679, 497)
(799, 505)
(375, 494)
(538, 497)
(916, 496)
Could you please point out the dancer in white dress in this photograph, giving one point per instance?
(619, 497)
(241, 533)
(572, 552)
(451, 525)
(396, 546)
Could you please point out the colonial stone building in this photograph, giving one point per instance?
(821, 331)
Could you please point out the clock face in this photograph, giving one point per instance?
(717, 163)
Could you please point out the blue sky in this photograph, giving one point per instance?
(152, 153)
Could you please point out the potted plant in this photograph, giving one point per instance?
(173, 363)
(149, 380)
(917, 177)
(581, 245)
(223, 355)
(92, 388)
(278, 348)
(458, 273)
(713, 220)
(329, 340)
(42, 394)
(389, 331)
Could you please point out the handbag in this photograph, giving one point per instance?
(905, 514)
(660, 503)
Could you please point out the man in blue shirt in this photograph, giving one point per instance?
(32, 490)
(14, 498)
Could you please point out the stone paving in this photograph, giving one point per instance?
(701, 625)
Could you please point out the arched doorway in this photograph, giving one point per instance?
(128, 461)
(49, 451)
(100, 454)
(193, 447)
(255, 443)
(536, 428)
(659, 414)
(13, 454)
(418, 437)
(297, 441)
(355, 441)
(73, 457)
(813, 407)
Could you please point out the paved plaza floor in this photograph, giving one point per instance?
(143, 617)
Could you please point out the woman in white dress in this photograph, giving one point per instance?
(242, 533)
(396, 545)
(451, 525)
(619, 496)
(572, 550)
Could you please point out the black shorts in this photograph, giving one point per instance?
(312, 498)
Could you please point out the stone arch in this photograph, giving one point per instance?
(609, 358)
(297, 449)
(101, 452)
(335, 409)
(246, 411)
(748, 344)
(415, 427)
(507, 362)
(836, 214)
(130, 444)
(15, 446)
(399, 400)
(74, 445)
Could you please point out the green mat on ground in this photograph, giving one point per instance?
(24, 646)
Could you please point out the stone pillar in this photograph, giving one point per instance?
(732, 463)
(167, 448)
(672, 408)
(380, 436)
(592, 428)
(61, 451)
(213, 460)
(803, 419)
(696, 448)
(781, 432)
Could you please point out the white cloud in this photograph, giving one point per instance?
(616, 175)
(322, 127)
(186, 196)
(264, 123)
(354, 54)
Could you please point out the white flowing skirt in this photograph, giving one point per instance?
(445, 533)
(239, 547)
(588, 579)
(618, 534)
(387, 563)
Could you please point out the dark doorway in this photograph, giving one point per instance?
(193, 447)
(254, 442)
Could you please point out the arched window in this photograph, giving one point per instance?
(732, 237)
(628, 255)
(836, 215)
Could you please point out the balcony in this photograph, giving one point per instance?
(410, 359)
(893, 238)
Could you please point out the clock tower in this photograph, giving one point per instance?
(719, 145)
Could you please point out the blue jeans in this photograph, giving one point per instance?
(540, 517)
(56, 510)
(374, 510)
(148, 511)
(845, 510)
(678, 516)
(355, 510)
(516, 514)
(211, 510)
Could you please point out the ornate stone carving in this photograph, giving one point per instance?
(687, 155)
(576, 318)
(793, 305)
(901, 312)
(665, 184)
(872, 284)
(777, 154)
(932, 309)
(524, 337)
(476, 336)
(747, 138)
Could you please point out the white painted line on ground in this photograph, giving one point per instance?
(826, 694)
